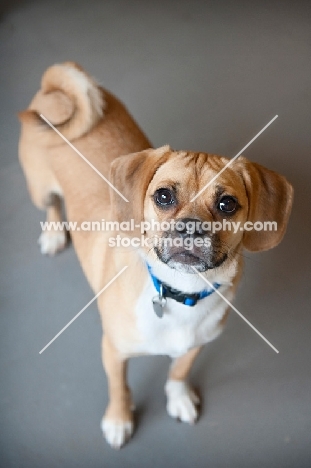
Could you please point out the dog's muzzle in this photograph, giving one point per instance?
(189, 245)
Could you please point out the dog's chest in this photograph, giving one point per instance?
(181, 327)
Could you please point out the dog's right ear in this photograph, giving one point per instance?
(131, 175)
(270, 198)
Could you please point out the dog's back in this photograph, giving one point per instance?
(98, 125)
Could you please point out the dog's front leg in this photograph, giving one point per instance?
(182, 402)
(117, 424)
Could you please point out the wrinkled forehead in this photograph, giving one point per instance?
(192, 171)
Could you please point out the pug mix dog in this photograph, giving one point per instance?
(165, 302)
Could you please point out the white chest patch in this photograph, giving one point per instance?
(181, 327)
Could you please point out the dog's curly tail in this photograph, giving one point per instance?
(69, 98)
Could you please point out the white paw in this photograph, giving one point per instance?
(116, 433)
(51, 242)
(181, 401)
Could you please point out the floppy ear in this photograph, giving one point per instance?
(270, 198)
(131, 175)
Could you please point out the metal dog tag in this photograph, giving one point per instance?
(158, 303)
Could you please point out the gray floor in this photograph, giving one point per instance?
(202, 75)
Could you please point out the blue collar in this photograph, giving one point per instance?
(187, 299)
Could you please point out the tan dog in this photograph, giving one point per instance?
(159, 304)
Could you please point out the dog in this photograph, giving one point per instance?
(165, 302)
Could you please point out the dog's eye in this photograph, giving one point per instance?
(227, 204)
(164, 197)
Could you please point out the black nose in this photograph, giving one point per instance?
(189, 226)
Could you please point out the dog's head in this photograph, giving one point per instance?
(205, 233)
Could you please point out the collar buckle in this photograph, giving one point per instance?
(191, 299)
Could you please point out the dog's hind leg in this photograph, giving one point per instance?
(54, 236)
(182, 402)
(117, 424)
(45, 194)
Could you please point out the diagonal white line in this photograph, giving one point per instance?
(233, 159)
(235, 310)
(82, 310)
(83, 157)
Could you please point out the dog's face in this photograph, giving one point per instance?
(188, 239)
(207, 232)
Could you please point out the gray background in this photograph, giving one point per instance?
(202, 75)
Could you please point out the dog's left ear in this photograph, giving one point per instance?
(270, 198)
(131, 175)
